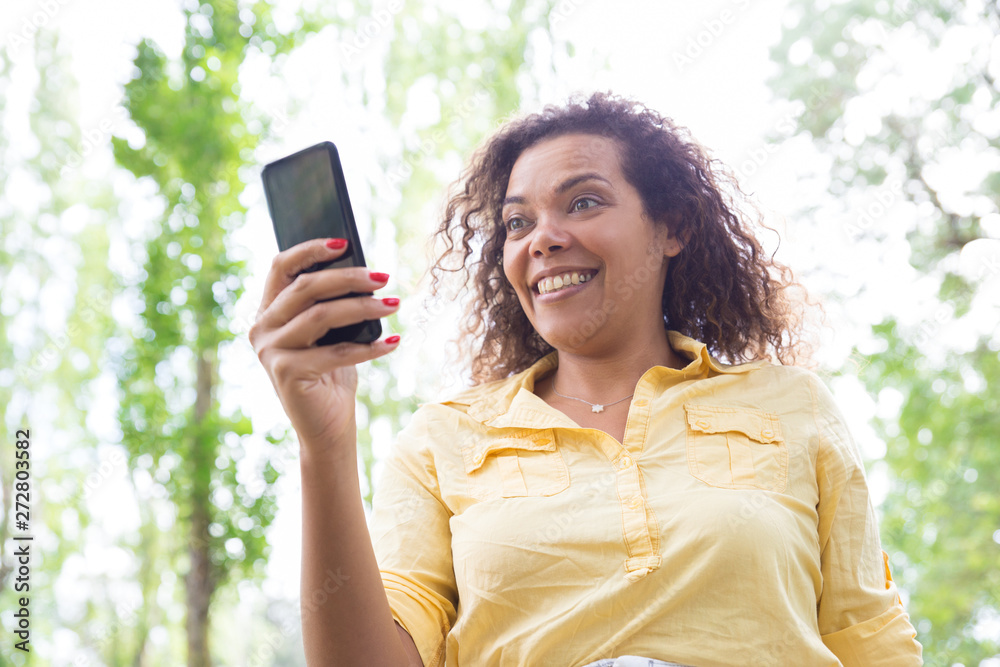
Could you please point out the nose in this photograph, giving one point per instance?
(549, 237)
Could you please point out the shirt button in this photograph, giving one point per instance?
(701, 423)
(641, 403)
(636, 502)
(624, 462)
(767, 434)
(480, 457)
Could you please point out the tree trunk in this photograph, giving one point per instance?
(199, 581)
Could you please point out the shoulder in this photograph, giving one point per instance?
(817, 406)
(463, 398)
(802, 389)
(798, 385)
(462, 401)
(459, 411)
(790, 374)
(498, 393)
(798, 396)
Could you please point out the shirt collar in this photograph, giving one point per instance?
(701, 360)
(511, 402)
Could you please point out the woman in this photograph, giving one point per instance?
(608, 488)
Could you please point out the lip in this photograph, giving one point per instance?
(560, 295)
(560, 271)
(567, 292)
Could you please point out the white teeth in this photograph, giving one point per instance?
(555, 283)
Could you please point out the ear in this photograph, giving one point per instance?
(670, 243)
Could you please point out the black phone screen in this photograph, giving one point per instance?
(307, 198)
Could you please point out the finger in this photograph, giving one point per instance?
(309, 289)
(287, 265)
(328, 358)
(312, 324)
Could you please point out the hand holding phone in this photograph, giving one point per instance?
(315, 291)
(307, 198)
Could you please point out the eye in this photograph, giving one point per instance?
(516, 224)
(583, 203)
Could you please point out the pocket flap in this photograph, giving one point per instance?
(757, 425)
(474, 454)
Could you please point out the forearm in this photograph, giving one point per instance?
(345, 613)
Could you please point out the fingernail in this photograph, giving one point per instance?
(390, 301)
(336, 244)
(392, 340)
(378, 277)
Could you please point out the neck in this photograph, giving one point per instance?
(606, 378)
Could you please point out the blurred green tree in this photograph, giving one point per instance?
(201, 515)
(54, 319)
(196, 135)
(900, 94)
(7, 359)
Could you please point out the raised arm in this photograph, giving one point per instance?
(345, 613)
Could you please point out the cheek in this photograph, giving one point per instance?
(511, 266)
(513, 271)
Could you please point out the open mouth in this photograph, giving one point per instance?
(551, 284)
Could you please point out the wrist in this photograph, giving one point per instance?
(328, 454)
(327, 461)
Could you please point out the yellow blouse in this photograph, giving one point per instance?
(733, 526)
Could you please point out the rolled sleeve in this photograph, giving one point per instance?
(412, 541)
(888, 639)
(426, 616)
(861, 617)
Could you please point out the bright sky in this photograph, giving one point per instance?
(704, 64)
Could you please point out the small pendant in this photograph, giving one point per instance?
(597, 407)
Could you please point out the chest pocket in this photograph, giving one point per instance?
(520, 465)
(736, 448)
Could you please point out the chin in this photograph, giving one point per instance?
(569, 341)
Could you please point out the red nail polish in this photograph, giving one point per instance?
(378, 277)
(390, 301)
(336, 244)
(392, 340)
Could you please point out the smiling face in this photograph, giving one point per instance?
(586, 263)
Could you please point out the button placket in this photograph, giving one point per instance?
(638, 533)
(640, 530)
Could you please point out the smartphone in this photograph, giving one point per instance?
(307, 199)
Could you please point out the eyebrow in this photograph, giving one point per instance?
(562, 187)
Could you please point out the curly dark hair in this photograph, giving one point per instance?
(722, 289)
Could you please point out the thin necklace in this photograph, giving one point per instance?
(594, 407)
